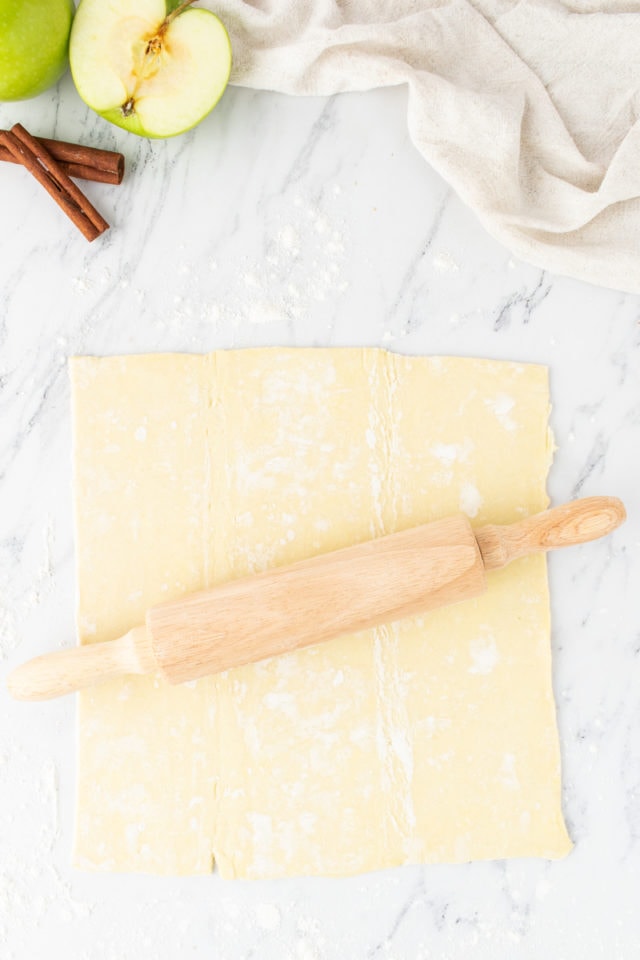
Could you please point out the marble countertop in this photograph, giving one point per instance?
(307, 222)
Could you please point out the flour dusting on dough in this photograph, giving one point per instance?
(285, 702)
(470, 499)
(262, 836)
(484, 655)
(501, 406)
(508, 775)
(450, 453)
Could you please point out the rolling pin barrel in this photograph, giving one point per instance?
(341, 592)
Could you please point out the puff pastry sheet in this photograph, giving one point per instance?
(429, 740)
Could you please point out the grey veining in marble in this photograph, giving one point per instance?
(292, 221)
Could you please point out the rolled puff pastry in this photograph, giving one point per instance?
(429, 740)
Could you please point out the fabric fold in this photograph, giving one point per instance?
(529, 110)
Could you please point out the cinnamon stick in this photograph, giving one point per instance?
(77, 160)
(48, 172)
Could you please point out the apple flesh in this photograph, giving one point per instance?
(34, 38)
(152, 68)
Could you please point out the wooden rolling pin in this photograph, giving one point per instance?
(332, 594)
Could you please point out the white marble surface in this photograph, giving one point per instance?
(284, 221)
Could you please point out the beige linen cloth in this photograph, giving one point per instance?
(529, 110)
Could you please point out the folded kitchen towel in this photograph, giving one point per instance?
(528, 109)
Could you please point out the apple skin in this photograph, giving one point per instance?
(34, 43)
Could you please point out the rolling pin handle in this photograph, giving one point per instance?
(565, 526)
(66, 671)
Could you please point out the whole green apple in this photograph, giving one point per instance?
(154, 67)
(34, 40)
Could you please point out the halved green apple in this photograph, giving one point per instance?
(155, 68)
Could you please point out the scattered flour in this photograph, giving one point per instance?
(484, 655)
(501, 406)
(268, 916)
(443, 262)
(15, 603)
(508, 775)
(450, 453)
(470, 500)
(301, 264)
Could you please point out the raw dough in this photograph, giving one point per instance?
(433, 739)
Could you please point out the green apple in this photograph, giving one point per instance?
(155, 68)
(34, 39)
